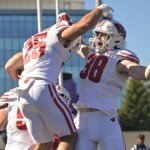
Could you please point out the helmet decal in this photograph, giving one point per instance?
(102, 23)
(120, 29)
(114, 30)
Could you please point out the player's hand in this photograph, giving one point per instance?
(64, 17)
(105, 8)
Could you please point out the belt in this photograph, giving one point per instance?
(87, 110)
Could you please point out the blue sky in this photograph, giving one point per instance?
(135, 17)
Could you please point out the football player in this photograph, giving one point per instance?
(43, 56)
(109, 65)
(12, 120)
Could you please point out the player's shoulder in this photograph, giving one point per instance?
(56, 28)
(60, 26)
(45, 30)
(62, 23)
(127, 54)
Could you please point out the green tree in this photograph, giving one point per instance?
(135, 110)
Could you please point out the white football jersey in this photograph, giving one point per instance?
(44, 55)
(17, 133)
(100, 82)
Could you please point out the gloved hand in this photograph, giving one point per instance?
(64, 17)
(105, 8)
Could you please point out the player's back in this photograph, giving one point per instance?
(44, 55)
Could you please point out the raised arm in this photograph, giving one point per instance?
(14, 65)
(86, 23)
(134, 70)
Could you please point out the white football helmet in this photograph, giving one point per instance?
(64, 93)
(116, 35)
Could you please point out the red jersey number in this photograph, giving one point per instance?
(36, 45)
(20, 124)
(94, 68)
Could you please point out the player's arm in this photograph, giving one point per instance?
(3, 119)
(78, 46)
(85, 24)
(14, 65)
(134, 70)
(84, 50)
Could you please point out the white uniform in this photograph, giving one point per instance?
(46, 114)
(100, 85)
(18, 137)
(44, 55)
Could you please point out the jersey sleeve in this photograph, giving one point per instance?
(61, 26)
(128, 55)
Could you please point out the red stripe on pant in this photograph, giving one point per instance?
(55, 143)
(57, 100)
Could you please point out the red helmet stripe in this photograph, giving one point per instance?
(120, 29)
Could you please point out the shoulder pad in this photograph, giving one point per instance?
(127, 54)
(61, 26)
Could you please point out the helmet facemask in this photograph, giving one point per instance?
(116, 36)
(101, 42)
